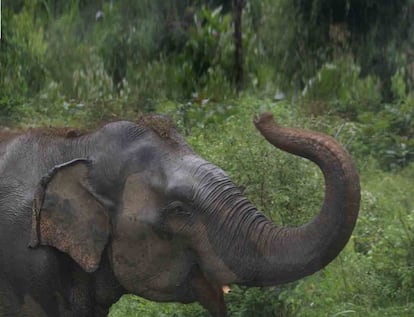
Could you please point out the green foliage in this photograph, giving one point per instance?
(10, 109)
(388, 133)
(294, 52)
(66, 54)
(299, 37)
(207, 56)
(198, 113)
(22, 70)
(394, 207)
(260, 302)
(134, 306)
(385, 130)
(337, 87)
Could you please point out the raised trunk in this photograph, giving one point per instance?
(256, 250)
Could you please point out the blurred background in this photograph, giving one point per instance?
(342, 67)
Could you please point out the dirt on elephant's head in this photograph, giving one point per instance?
(7, 134)
(64, 132)
(160, 124)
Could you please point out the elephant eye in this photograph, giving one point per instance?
(178, 208)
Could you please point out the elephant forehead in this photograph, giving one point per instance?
(180, 171)
(139, 202)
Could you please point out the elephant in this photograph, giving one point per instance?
(131, 208)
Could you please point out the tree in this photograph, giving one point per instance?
(238, 43)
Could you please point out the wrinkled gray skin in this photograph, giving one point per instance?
(131, 208)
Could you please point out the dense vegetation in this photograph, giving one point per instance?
(343, 67)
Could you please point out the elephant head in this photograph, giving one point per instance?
(174, 226)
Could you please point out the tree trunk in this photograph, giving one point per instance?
(238, 43)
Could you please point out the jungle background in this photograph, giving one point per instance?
(343, 67)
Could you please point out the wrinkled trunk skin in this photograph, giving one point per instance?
(251, 250)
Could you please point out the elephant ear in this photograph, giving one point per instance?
(67, 215)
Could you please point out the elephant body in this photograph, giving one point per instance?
(130, 208)
(42, 279)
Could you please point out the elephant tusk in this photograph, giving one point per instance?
(226, 289)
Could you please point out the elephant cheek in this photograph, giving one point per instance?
(209, 260)
(126, 267)
(154, 268)
(137, 263)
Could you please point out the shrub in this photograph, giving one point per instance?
(338, 88)
(22, 63)
(388, 133)
(134, 306)
(207, 56)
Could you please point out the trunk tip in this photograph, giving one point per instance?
(266, 118)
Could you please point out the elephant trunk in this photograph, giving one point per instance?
(257, 251)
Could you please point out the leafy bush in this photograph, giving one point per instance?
(134, 306)
(299, 37)
(392, 208)
(388, 132)
(381, 130)
(22, 64)
(206, 58)
(260, 302)
(388, 135)
(338, 88)
(295, 52)
(10, 110)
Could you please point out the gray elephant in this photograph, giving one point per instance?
(130, 208)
